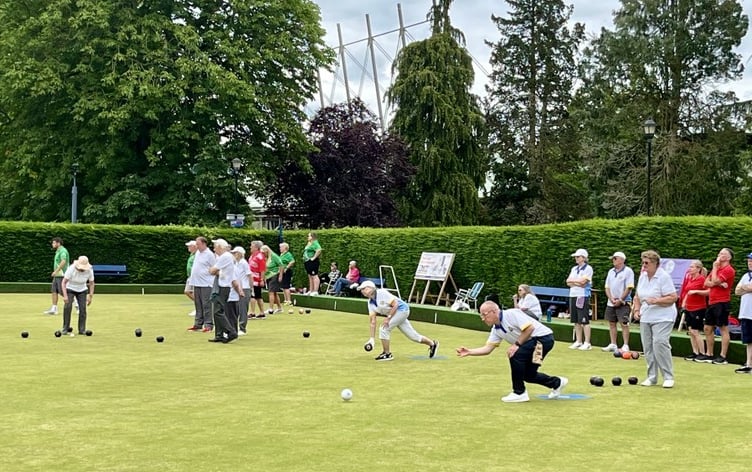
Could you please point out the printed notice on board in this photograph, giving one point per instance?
(434, 266)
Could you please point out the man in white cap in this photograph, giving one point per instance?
(224, 272)
(580, 285)
(191, 246)
(618, 289)
(383, 302)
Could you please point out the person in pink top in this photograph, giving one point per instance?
(693, 300)
(352, 277)
(720, 281)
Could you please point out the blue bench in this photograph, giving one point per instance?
(348, 292)
(560, 298)
(552, 296)
(109, 270)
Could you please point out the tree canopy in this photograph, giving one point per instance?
(443, 125)
(352, 180)
(152, 99)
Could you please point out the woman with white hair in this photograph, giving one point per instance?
(383, 302)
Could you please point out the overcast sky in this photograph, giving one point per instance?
(472, 17)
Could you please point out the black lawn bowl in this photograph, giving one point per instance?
(633, 380)
(598, 382)
(306, 334)
(89, 332)
(58, 333)
(616, 381)
(24, 334)
(160, 339)
(138, 332)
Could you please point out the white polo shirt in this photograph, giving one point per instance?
(618, 281)
(200, 276)
(242, 271)
(658, 286)
(382, 303)
(531, 302)
(745, 304)
(226, 265)
(579, 273)
(77, 279)
(511, 325)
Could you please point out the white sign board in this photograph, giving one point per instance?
(434, 266)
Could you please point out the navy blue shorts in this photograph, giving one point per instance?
(746, 331)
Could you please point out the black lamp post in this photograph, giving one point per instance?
(649, 130)
(74, 194)
(236, 173)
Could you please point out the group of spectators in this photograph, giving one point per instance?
(705, 300)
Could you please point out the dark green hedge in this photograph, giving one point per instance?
(502, 257)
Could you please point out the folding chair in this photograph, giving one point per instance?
(470, 295)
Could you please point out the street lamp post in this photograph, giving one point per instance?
(74, 194)
(649, 130)
(235, 219)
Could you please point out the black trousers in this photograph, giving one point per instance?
(523, 369)
(222, 325)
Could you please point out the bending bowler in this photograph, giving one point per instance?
(530, 341)
(382, 302)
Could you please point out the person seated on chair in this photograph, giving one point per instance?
(526, 301)
(332, 276)
(350, 280)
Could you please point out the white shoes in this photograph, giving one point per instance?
(668, 383)
(650, 383)
(585, 347)
(557, 391)
(51, 312)
(193, 313)
(625, 348)
(313, 294)
(514, 398)
(610, 348)
(576, 345)
(241, 332)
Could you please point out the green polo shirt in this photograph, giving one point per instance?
(61, 255)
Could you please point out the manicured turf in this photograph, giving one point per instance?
(271, 401)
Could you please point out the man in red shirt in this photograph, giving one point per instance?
(257, 264)
(720, 281)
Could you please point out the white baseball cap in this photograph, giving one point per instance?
(367, 284)
(239, 250)
(580, 252)
(191, 243)
(619, 254)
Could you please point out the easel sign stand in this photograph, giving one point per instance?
(433, 267)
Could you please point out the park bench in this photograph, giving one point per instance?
(109, 270)
(560, 298)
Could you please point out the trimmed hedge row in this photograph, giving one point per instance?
(502, 257)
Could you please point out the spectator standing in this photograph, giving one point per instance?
(257, 264)
(202, 281)
(744, 290)
(693, 300)
(224, 272)
(580, 284)
(720, 282)
(78, 284)
(274, 272)
(352, 278)
(60, 264)
(655, 307)
(526, 301)
(530, 341)
(288, 261)
(243, 276)
(191, 246)
(618, 289)
(311, 261)
(383, 302)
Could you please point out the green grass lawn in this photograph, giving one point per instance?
(271, 401)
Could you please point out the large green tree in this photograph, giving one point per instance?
(441, 121)
(152, 99)
(662, 60)
(537, 176)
